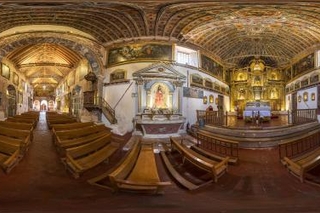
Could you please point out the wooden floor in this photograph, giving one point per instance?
(259, 183)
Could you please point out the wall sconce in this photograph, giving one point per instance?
(299, 98)
(205, 99)
(313, 96)
(305, 96)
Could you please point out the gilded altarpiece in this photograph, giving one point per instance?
(257, 83)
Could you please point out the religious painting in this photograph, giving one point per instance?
(211, 99)
(208, 83)
(137, 52)
(297, 85)
(305, 96)
(118, 76)
(303, 64)
(314, 78)
(15, 79)
(217, 87)
(304, 82)
(211, 66)
(160, 96)
(196, 79)
(192, 92)
(205, 99)
(5, 71)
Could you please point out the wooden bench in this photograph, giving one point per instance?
(174, 173)
(217, 169)
(212, 155)
(51, 122)
(300, 165)
(19, 126)
(82, 158)
(66, 144)
(138, 172)
(23, 120)
(70, 126)
(9, 156)
(60, 136)
(23, 135)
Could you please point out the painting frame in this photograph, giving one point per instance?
(15, 79)
(5, 71)
(118, 76)
(190, 92)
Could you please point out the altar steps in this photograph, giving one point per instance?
(258, 138)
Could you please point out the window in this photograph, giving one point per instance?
(186, 56)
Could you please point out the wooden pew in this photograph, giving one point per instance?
(66, 144)
(18, 126)
(23, 120)
(23, 135)
(70, 126)
(78, 133)
(51, 122)
(300, 165)
(82, 158)
(138, 172)
(217, 169)
(174, 173)
(9, 156)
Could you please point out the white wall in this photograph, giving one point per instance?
(127, 107)
(310, 104)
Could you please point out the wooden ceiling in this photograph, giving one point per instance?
(232, 31)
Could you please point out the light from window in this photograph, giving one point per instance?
(183, 58)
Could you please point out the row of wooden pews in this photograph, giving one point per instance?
(301, 154)
(136, 172)
(56, 118)
(83, 146)
(16, 134)
(198, 158)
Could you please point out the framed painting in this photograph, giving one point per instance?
(136, 52)
(5, 71)
(196, 79)
(15, 79)
(192, 92)
(118, 76)
(211, 66)
(314, 79)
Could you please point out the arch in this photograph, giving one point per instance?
(77, 47)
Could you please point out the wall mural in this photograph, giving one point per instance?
(211, 66)
(134, 52)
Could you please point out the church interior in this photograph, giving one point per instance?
(158, 105)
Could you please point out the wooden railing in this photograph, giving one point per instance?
(299, 145)
(218, 145)
(91, 101)
(302, 116)
(216, 118)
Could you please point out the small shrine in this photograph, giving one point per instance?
(159, 92)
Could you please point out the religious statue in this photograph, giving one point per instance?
(159, 97)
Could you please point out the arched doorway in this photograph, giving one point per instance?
(12, 104)
(44, 105)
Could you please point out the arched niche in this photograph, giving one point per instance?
(12, 102)
(159, 94)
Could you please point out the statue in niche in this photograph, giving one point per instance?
(160, 93)
(158, 101)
